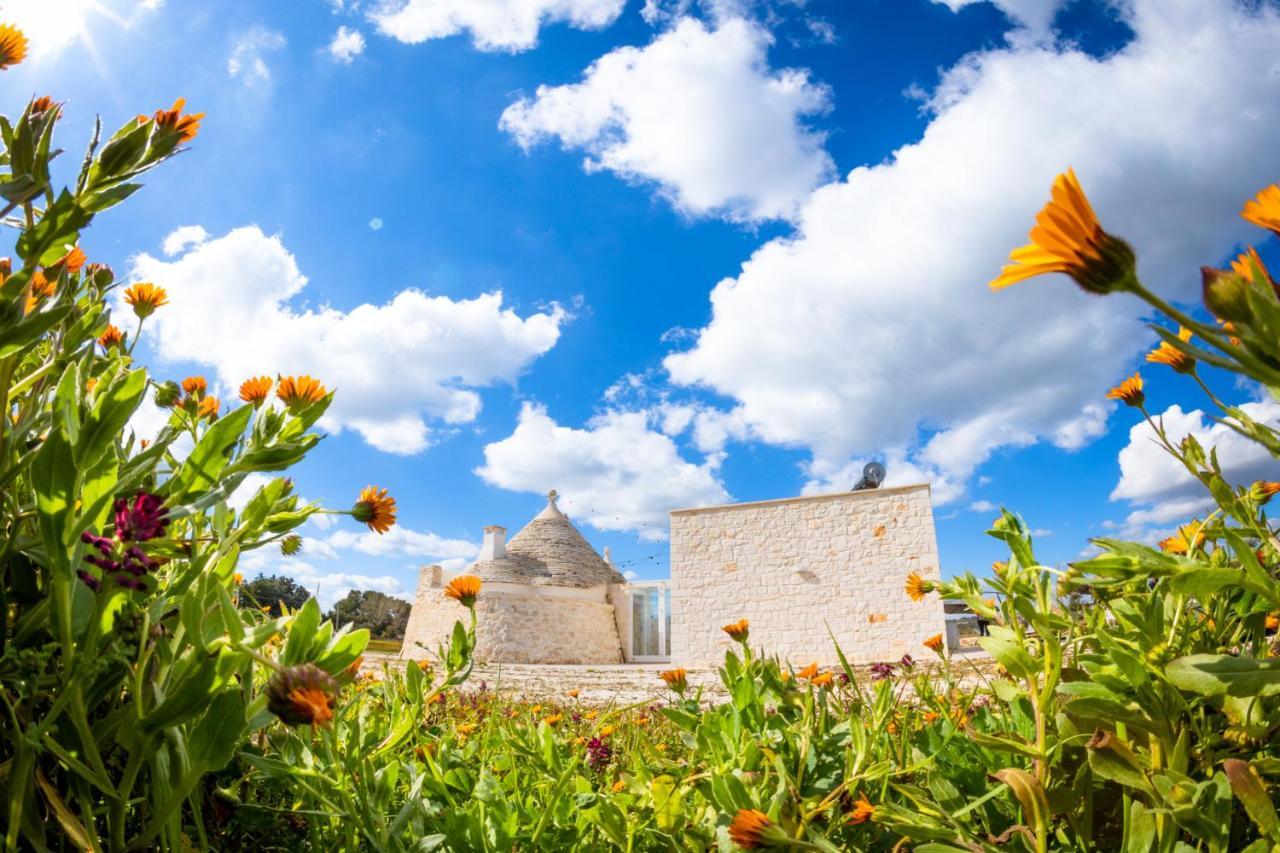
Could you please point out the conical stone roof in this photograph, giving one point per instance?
(549, 551)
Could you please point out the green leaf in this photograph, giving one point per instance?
(59, 226)
(53, 476)
(209, 457)
(22, 334)
(302, 633)
(112, 408)
(215, 737)
(1221, 675)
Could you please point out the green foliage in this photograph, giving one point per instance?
(274, 591)
(385, 616)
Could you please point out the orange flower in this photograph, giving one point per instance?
(13, 46)
(39, 289)
(1246, 262)
(607, 731)
(237, 578)
(299, 391)
(1068, 239)
(536, 708)
(863, 811)
(590, 715)
(1184, 541)
(209, 407)
(111, 337)
(195, 385)
(931, 717)
(42, 104)
(677, 679)
(73, 260)
(751, 829)
(1168, 354)
(824, 680)
(465, 729)
(145, 298)
(619, 786)
(464, 589)
(642, 720)
(255, 390)
(934, 643)
(737, 630)
(1272, 622)
(90, 384)
(553, 719)
(375, 509)
(1263, 210)
(916, 586)
(1130, 391)
(809, 671)
(173, 121)
(1263, 491)
(572, 694)
(302, 694)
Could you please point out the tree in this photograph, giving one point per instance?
(270, 591)
(386, 617)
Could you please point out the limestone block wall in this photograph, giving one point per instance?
(517, 623)
(798, 566)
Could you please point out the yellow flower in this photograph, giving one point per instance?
(916, 586)
(553, 719)
(1263, 210)
(535, 709)
(863, 811)
(662, 747)
(464, 589)
(934, 643)
(738, 630)
(299, 391)
(590, 715)
(676, 679)
(465, 729)
(173, 121)
(823, 680)
(606, 731)
(237, 579)
(13, 46)
(1168, 354)
(255, 390)
(377, 510)
(209, 407)
(579, 741)
(145, 298)
(1184, 541)
(110, 337)
(1129, 391)
(90, 384)
(1068, 239)
(642, 720)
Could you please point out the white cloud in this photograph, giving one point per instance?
(401, 541)
(982, 506)
(375, 224)
(616, 474)
(508, 25)
(1164, 493)
(347, 44)
(247, 61)
(396, 366)
(699, 113)
(183, 238)
(871, 328)
(327, 587)
(1035, 15)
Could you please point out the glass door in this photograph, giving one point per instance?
(650, 621)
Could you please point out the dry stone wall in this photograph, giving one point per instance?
(518, 625)
(797, 567)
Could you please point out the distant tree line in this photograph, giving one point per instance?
(385, 616)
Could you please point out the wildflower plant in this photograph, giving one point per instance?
(130, 676)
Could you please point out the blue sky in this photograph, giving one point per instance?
(656, 254)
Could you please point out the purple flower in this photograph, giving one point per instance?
(907, 662)
(881, 671)
(598, 753)
(89, 580)
(144, 519)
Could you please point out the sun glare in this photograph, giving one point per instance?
(53, 26)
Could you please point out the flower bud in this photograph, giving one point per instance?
(301, 695)
(1226, 294)
(167, 394)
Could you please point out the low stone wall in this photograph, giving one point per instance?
(518, 624)
(798, 567)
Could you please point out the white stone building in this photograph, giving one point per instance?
(801, 570)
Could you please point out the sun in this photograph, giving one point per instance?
(53, 26)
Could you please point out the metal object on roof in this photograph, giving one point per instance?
(872, 477)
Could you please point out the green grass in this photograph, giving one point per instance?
(386, 647)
